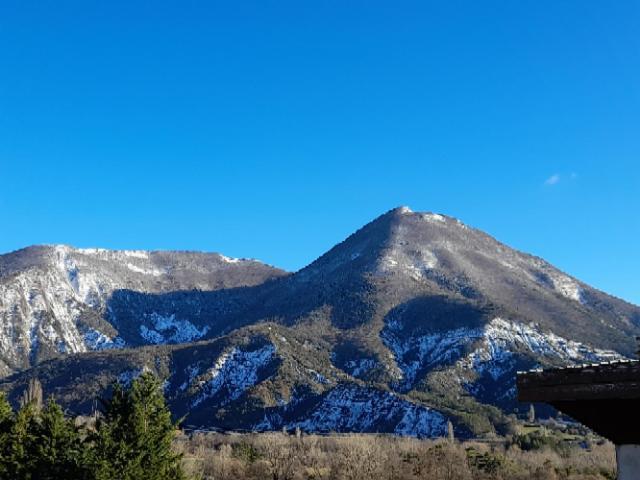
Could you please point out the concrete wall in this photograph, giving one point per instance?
(628, 458)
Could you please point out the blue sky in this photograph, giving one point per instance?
(274, 129)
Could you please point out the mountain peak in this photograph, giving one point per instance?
(406, 212)
(402, 210)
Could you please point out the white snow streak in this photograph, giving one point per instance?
(235, 370)
(168, 329)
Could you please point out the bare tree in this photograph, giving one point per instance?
(281, 455)
(532, 414)
(450, 435)
(33, 394)
(314, 459)
(360, 458)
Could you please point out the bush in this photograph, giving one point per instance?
(362, 457)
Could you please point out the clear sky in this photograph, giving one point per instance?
(273, 129)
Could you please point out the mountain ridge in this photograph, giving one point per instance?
(414, 314)
(48, 292)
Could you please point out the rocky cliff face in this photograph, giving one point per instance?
(414, 319)
(55, 299)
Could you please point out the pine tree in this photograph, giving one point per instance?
(21, 443)
(6, 412)
(58, 448)
(133, 439)
(7, 419)
(39, 444)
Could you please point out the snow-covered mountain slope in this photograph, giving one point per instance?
(212, 382)
(414, 318)
(270, 376)
(486, 355)
(55, 300)
(404, 262)
(353, 408)
(439, 254)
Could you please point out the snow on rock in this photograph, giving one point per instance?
(496, 356)
(417, 352)
(136, 253)
(351, 408)
(434, 217)
(89, 287)
(500, 336)
(96, 340)
(168, 329)
(156, 272)
(552, 278)
(37, 310)
(226, 259)
(490, 349)
(415, 263)
(128, 376)
(44, 303)
(192, 372)
(318, 377)
(567, 287)
(357, 368)
(236, 371)
(106, 253)
(85, 251)
(152, 336)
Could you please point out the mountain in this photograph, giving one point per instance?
(414, 319)
(55, 299)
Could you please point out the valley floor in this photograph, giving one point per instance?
(281, 456)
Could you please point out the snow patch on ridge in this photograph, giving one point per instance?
(128, 376)
(551, 278)
(351, 408)
(567, 287)
(87, 285)
(226, 259)
(192, 372)
(357, 368)
(415, 264)
(103, 252)
(136, 253)
(168, 329)
(156, 272)
(235, 370)
(434, 217)
(96, 340)
(490, 349)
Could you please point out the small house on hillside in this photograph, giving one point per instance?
(603, 396)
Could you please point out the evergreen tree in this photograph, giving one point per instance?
(133, 439)
(39, 444)
(21, 445)
(6, 426)
(59, 451)
(6, 412)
